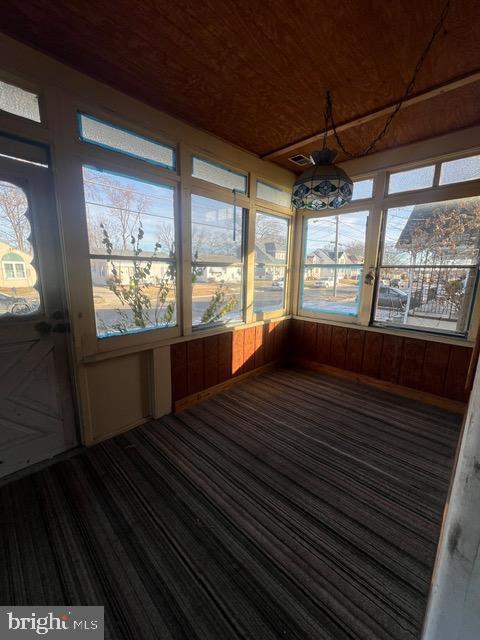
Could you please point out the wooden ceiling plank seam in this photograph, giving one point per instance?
(374, 115)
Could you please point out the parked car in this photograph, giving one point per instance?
(391, 298)
(278, 284)
(16, 305)
(324, 283)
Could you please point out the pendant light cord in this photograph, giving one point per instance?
(439, 27)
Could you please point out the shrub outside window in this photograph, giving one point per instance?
(217, 262)
(131, 233)
(271, 247)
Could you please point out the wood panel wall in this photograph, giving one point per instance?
(433, 367)
(201, 363)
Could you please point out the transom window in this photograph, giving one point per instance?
(19, 102)
(334, 253)
(271, 257)
(131, 234)
(115, 138)
(217, 262)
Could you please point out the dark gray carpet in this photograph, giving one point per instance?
(292, 506)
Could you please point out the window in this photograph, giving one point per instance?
(131, 234)
(411, 180)
(19, 102)
(334, 250)
(362, 189)
(271, 246)
(428, 268)
(273, 194)
(460, 170)
(217, 267)
(219, 175)
(115, 138)
(18, 278)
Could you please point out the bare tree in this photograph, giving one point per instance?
(124, 206)
(14, 224)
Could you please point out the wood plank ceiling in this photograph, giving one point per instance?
(255, 73)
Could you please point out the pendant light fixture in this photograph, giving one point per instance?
(322, 186)
(325, 185)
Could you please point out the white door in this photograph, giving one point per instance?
(36, 410)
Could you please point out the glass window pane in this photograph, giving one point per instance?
(132, 295)
(332, 289)
(273, 194)
(334, 255)
(429, 265)
(411, 180)
(336, 239)
(18, 278)
(429, 298)
(132, 144)
(271, 239)
(219, 175)
(217, 268)
(460, 170)
(271, 245)
(19, 102)
(269, 291)
(120, 208)
(434, 233)
(362, 189)
(217, 230)
(217, 294)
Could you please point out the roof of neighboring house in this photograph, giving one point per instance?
(422, 212)
(264, 256)
(328, 257)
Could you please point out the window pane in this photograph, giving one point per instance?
(271, 245)
(132, 144)
(132, 295)
(431, 298)
(217, 230)
(440, 233)
(217, 269)
(19, 102)
(269, 292)
(332, 289)
(421, 178)
(460, 170)
(119, 208)
(336, 239)
(429, 265)
(271, 239)
(217, 294)
(219, 175)
(273, 194)
(362, 189)
(334, 255)
(18, 277)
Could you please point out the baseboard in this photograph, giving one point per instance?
(414, 394)
(188, 401)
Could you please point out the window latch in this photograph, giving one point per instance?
(370, 277)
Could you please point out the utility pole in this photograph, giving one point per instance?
(336, 259)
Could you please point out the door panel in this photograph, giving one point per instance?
(36, 409)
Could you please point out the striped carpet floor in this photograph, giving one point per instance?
(291, 506)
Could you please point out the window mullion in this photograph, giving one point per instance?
(249, 258)
(372, 245)
(184, 224)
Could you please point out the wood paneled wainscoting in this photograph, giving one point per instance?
(430, 367)
(205, 365)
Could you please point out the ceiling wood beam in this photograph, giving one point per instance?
(374, 115)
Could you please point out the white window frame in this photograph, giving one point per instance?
(380, 203)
